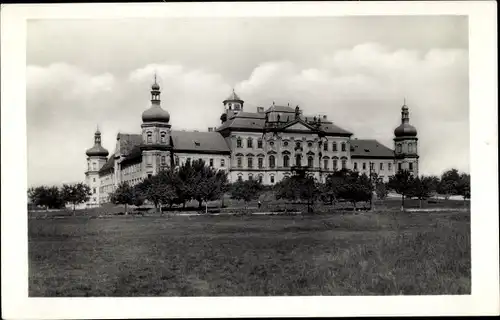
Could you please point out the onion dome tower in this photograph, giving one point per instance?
(156, 135)
(405, 144)
(232, 105)
(96, 158)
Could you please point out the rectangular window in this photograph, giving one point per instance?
(239, 162)
(364, 165)
(334, 146)
(163, 160)
(261, 162)
(325, 146)
(260, 179)
(222, 163)
(93, 190)
(400, 166)
(335, 164)
(389, 166)
(381, 166)
(343, 146)
(188, 160)
(94, 179)
(355, 166)
(272, 179)
(250, 177)
(326, 163)
(211, 162)
(176, 161)
(240, 178)
(371, 165)
(250, 162)
(259, 143)
(344, 164)
(410, 166)
(238, 143)
(249, 143)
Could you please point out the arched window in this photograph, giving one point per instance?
(334, 146)
(163, 137)
(310, 161)
(238, 142)
(344, 163)
(150, 137)
(250, 162)
(410, 148)
(249, 143)
(343, 146)
(298, 160)
(335, 164)
(325, 163)
(286, 161)
(399, 147)
(272, 162)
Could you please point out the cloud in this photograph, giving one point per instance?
(360, 88)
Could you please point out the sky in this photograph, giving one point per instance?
(357, 70)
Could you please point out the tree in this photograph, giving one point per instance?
(75, 194)
(298, 187)
(449, 183)
(151, 189)
(381, 190)
(246, 190)
(402, 183)
(355, 188)
(48, 197)
(421, 188)
(207, 183)
(124, 194)
(463, 186)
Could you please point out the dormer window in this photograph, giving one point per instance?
(149, 137)
(197, 143)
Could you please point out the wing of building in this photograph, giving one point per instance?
(267, 145)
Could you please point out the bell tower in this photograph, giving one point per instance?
(406, 144)
(96, 158)
(232, 105)
(156, 135)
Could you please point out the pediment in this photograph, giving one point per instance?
(297, 126)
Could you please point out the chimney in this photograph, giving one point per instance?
(260, 109)
(210, 129)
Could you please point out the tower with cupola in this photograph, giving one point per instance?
(156, 144)
(406, 144)
(96, 158)
(232, 105)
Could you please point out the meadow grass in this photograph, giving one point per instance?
(373, 253)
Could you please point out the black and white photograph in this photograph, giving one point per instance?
(197, 154)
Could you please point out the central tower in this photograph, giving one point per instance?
(156, 144)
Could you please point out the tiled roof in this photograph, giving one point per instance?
(194, 141)
(128, 141)
(370, 149)
(250, 115)
(331, 128)
(108, 165)
(233, 97)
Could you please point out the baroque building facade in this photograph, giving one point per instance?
(267, 145)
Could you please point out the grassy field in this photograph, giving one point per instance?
(373, 253)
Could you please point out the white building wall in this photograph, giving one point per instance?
(384, 168)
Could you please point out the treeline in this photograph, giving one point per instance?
(350, 186)
(191, 181)
(53, 197)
